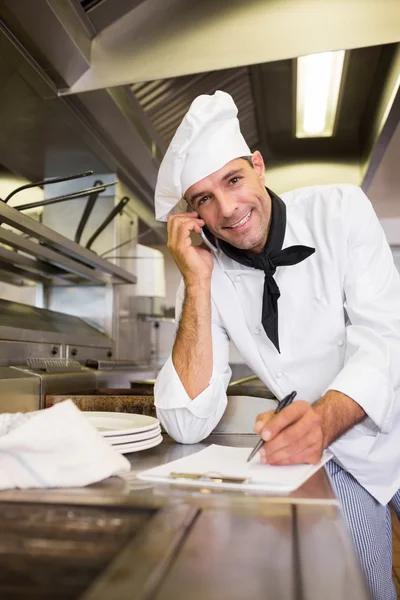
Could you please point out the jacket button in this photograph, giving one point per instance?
(340, 343)
(257, 331)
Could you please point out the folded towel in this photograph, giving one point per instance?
(54, 447)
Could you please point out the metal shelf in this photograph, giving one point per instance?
(56, 259)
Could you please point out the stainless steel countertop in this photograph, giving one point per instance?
(129, 490)
(217, 545)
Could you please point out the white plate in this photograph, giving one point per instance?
(134, 437)
(127, 448)
(115, 423)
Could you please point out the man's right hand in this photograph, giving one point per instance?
(194, 262)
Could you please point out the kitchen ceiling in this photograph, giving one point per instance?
(102, 13)
(73, 86)
(265, 96)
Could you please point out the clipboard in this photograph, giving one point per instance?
(226, 467)
(208, 478)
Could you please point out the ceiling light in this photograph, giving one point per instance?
(318, 84)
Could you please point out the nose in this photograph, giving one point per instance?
(226, 205)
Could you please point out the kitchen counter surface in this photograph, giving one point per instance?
(132, 491)
(126, 538)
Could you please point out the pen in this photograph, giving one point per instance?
(282, 404)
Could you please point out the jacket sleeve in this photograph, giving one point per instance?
(371, 373)
(187, 420)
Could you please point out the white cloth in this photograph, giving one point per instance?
(207, 139)
(339, 328)
(55, 447)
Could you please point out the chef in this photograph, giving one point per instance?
(305, 287)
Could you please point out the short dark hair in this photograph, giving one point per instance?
(249, 160)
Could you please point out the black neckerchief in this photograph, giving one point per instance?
(270, 258)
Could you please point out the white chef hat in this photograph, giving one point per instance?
(208, 138)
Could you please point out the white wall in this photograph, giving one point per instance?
(290, 177)
(384, 190)
(391, 228)
(396, 257)
(166, 331)
(150, 272)
(172, 276)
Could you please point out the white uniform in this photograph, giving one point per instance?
(339, 328)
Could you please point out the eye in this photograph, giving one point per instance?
(234, 180)
(202, 200)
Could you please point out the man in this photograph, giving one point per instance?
(320, 256)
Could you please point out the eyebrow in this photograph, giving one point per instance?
(228, 175)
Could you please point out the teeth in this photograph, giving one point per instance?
(242, 222)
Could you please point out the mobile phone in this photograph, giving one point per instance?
(207, 241)
(203, 236)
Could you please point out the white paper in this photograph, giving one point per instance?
(227, 461)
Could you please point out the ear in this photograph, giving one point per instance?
(259, 166)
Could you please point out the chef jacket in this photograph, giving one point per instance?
(339, 329)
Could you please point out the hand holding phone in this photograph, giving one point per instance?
(203, 236)
(194, 262)
(207, 241)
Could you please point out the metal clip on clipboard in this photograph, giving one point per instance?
(208, 477)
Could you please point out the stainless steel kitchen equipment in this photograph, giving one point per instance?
(45, 352)
(19, 390)
(65, 257)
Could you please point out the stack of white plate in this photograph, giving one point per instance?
(127, 432)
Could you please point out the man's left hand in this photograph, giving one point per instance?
(292, 436)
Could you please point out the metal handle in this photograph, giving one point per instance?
(115, 211)
(87, 211)
(65, 197)
(47, 182)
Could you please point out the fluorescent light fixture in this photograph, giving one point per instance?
(318, 84)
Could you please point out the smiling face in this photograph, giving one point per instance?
(234, 203)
